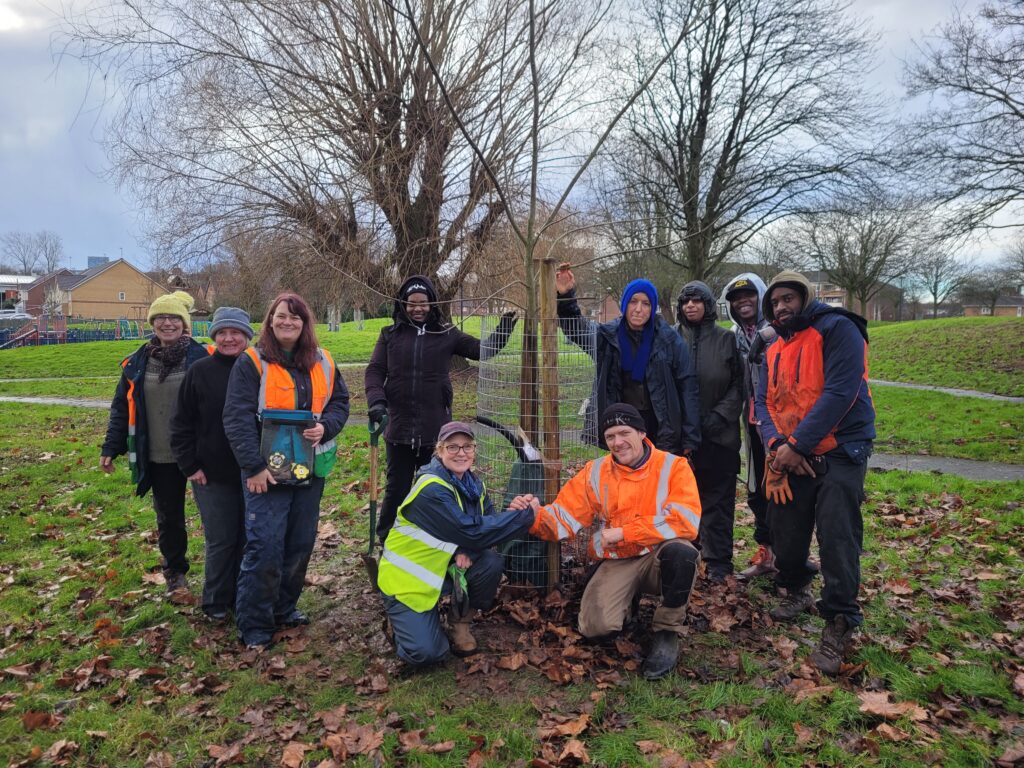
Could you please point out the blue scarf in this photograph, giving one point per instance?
(469, 486)
(637, 364)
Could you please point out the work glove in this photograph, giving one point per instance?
(460, 591)
(507, 324)
(378, 412)
(776, 484)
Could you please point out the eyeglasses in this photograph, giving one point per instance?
(693, 300)
(167, 319)
(455, 450)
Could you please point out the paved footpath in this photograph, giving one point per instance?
(972, 470)
(948, 390)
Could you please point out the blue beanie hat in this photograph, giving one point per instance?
(640, 285)
(231, 317)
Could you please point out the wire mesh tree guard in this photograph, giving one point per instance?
(532, 406)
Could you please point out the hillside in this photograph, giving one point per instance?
(982, 353)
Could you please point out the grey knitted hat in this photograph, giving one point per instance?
(231, 317)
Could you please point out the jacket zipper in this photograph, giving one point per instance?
(799, 356)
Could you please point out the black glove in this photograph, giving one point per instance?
(507, 324)
(377, 412)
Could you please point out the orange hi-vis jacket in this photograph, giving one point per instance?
(653, 503)
(277, 390)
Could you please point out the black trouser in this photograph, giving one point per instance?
(829, 503)
(222, 508)
(755, 498)
(715, 469)
(169, 503)
(403, 461)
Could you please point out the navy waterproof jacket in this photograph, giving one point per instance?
(670, 378)
(437, 512)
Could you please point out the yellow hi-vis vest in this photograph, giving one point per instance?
(414, 563)
(277, 390)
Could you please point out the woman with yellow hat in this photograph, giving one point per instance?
(140, 420)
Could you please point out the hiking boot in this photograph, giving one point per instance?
(793, 604)
(294, 619)
(835, 644)
(175, 581)
(663, 654)
(761, 564)
(462, 641)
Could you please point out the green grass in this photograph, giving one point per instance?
(913, 421)
(75, 544)
(982, 353)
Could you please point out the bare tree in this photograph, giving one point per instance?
(1013, 261)
(318, 120)
(940, 274)
(758, 114)
(864, 242)
(21, 250)
(50, 246)
(987, 286)
(967, 146)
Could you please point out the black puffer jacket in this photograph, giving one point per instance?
(409, 369)
(719, 370)
(670, 379)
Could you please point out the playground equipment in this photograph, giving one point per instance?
(39, 331)
(129, 329)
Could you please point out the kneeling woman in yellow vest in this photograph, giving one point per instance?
(285, 371)
(440, 544)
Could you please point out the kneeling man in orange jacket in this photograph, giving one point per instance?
(645, 511)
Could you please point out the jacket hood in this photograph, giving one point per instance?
(416, 284)
(700, 290)
(816, 309)
(792, 279)
(747, 281)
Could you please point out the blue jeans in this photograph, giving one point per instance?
(280, 531)
(222, 508)
(418, 635)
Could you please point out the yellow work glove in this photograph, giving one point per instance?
(776, 484)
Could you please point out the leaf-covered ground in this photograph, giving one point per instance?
(98, 667)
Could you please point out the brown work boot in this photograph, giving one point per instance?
(462, 641)
(793, 604)
(761, 564)
(835, 644)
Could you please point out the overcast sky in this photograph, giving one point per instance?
(51, 162)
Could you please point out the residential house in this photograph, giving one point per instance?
(14, 288)
(1006, 306)
(884, 305)
(109, 291)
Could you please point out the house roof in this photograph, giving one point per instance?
(1002, 301)
(18, 281)
(67, 279)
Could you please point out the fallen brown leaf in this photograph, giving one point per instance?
(574, 753)
(294, 754)
(877, 703)
(891, 733)
(159, 760)
(33, 720)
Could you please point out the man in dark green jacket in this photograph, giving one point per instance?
(716, 463)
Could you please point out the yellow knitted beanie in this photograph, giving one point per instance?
(178, 303)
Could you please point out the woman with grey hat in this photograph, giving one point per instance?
(204, 456)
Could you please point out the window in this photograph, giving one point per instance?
(120, 295)
(986, 310)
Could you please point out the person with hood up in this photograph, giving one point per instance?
(140, 424)
(743, 295)
(818, 424)
(408, 381)
(640, 360)
(717, 462)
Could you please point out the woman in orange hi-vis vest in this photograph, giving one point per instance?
(285, 378)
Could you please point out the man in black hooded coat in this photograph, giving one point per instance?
(408, 379)
(716, 463)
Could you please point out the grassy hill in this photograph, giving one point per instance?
(983, 353)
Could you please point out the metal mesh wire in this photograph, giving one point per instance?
(512, 402)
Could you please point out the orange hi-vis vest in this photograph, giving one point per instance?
(277, 390)
(653, 503)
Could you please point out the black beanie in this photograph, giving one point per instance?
(622, 415)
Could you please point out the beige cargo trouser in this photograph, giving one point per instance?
(609, 593)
